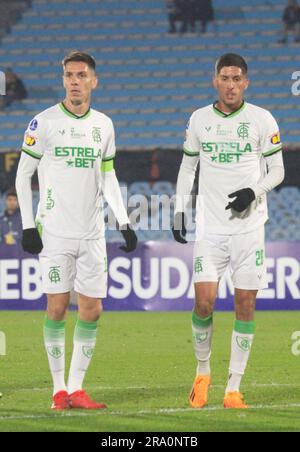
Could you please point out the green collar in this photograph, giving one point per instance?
(72, 115)
(230, 115)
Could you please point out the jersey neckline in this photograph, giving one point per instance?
(72, 115)
(230, 115)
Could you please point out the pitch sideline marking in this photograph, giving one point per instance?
(126, 388)
(154, 411)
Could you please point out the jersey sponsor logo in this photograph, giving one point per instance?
(29, 140)
(79, 157)
(226, 152)
(227, 147)
(275, 139)
(77, 152)
(221, 132)
(76, 135)
(50, 201)
(226, 158)
(33, 125)
(243, 130)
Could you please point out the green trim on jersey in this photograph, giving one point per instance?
(273, 151)
(72, 115)
(190, 153)
(32, 154)
(108, 159)
(39, 227)
(107, 166)
(230, 115)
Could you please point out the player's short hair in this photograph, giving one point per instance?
(80, 57)
(231, 59)
(11, 192)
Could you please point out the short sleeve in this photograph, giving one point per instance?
(270, 137)
(191, 146)
(34, 138)
(109, 151)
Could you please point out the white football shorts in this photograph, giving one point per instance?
(244, 254)
(74, 264)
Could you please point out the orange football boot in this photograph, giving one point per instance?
(235, 400)
(80, 399)
(199, 393)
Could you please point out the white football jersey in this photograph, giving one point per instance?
(232, 150)
(71, 149)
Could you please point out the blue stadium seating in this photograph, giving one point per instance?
(150, 81)
(142, 67)
(284, 212)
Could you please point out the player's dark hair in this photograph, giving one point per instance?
(231, 59)
(80, 57)
(11, 192)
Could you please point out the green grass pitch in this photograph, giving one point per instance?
(143, 369)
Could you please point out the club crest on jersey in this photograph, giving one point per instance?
(29, 140)
(275, 139)
(96, 134)
(243, 130)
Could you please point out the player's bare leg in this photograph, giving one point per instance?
(242, 338)
(89, 312)
(202, 328)
(57, 306)
(54, 336)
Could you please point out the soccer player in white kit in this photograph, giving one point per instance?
(73, 148)
(240, 154)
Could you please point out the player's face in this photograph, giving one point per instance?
(231, 84)
(11, 204)
(79, 82)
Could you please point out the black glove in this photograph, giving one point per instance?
(31, 241)
(129, 237)
(243, 199)
(179, 229)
